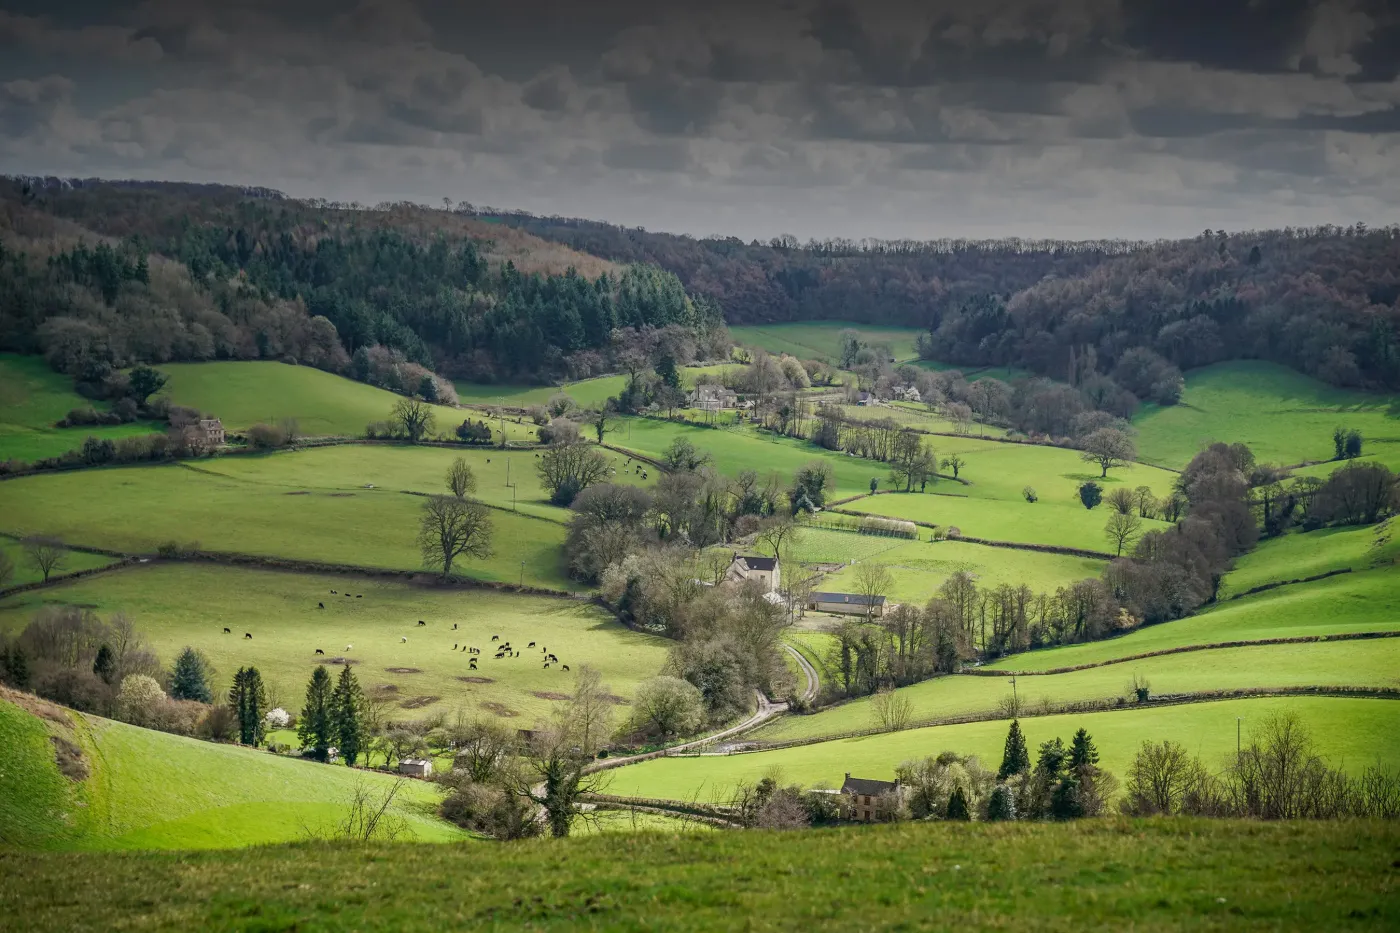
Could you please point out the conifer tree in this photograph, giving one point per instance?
(105, 665)
(1015, 759)
(190, 678)
(1002, 804)
(316, 727)
(1082, 752)
(957, 805)
(347, 712)
(248, 700)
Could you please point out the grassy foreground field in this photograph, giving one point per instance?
(175, 605)
(150, 790)
(1346, 732)
(1156, 875)
(1284, 416)
(32, 398)
(1345, 663)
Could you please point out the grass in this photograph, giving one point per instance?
(25, 572)
(1350, 663)
(1354, 602)
(821, 340)
(36, 801)
(175, 605)
(1299, 554)
(1159, 875)
(1284, 416)
(919, 568)
(243, 393)
(32, 398)
(588, 393)
(1346, 732)
(150, 790)
(136, 509)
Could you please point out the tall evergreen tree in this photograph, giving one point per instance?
(105, 665)
(248, 699)
(190, 678)
(1082, 752)
(347, 712)
(1015, 759)
(316, 727)
(957, 805)
(1052, 759)
(1002, 804)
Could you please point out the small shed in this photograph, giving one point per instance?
(416, 767)
(850, 604)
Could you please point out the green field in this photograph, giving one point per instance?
(1346, 663)
(919, 568)
(150, 790)
(175, 605)
(136, 509)
(1284, 416)
(1149, 876)
(32, 398)
(1298, 555)
(820, 340)
(588, 393)
(1345, 731)
(1353, 602)
(25, 572)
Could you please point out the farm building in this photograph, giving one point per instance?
(764, 571)
(869, 800)
(416, 767)
(849, 604)
(213, 430)
(711, 397)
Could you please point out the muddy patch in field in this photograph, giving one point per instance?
(500, 709)
(341, 495)
(404, 670)
(341, 660)
(418, 702)
(615, 700)
(546, 695)
(476, 680)
(69, 758)
(385, 688)
(299, 492)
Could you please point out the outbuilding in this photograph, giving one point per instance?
(849, 604)
(416, 767)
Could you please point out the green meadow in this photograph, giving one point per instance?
(1344, 604)
(206, 795)
(1284, 416)
(25, 572)
(588, 393)
(821, 340)
(175, 605)
(1345, 731)
(1345, 663)
(137, 509)
(1298, 555)
(32, 399)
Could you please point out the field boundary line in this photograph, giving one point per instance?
(988, 542)
(1101, 705)
(1265, 587)
(1185, 649)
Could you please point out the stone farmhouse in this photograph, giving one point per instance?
(869, 800)
(710, 397)
(765, 571)
(213, 431)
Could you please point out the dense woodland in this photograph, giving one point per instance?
(1321, 300)
(106, 275)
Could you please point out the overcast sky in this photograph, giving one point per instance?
(1075, 118)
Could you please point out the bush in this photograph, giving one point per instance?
(139, 700)
(266, 437)
(219, 724)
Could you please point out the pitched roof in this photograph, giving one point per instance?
(851, 598)
(758, 563)
(868, 787)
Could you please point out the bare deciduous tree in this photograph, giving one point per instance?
(1122, 529)
(872, 581)
(1108, 448)
(45, 554)
(411, 418)
(460, 478)
(891, 710)
(567, 469)
(452, 528)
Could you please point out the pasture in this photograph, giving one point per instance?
(1299, 555)
(1344, 730)
(1284, 416)
(137, 509)
(32, 399)
(1344, 663)
(175, 605)
(25, 572)
(821, 340)
(588, 393)
(919, 568)
(1353, 602)
(151, 790)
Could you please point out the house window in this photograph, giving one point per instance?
(867, 801)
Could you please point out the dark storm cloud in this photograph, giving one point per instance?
(939, 117)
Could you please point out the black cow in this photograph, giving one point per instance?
(320, 605)
(334, 593)
(530, 645)
(319, 651)
(358, 596)
(421, 622)
(227, 632)
(495, 638)
(454, 626)
(247, 634)
(566, 667)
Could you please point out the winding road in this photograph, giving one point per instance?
(813, 683)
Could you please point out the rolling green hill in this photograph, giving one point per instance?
(175, 605)
(32, 398)
(149, 790)
(821, 340)
(1284, 416)
(1299, 555)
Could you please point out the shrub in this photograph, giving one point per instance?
(220, 724)
(140, 700)
(1001, 805)
(278, 718)
(266, 437)
(1029, 494)
(1091, 494)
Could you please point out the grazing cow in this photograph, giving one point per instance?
(320, 605)
(358, 596)
(495, 638)
(247, 634)
(516, 655)
(546, 665)
(226, 631)
(319, 651)
(488, 459)
(454, 646)
(530, 645)
(421, 622)
(349, 647)
(334, 593)
(404, 640)
(454, 626)
(566, 667)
